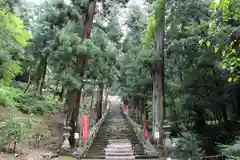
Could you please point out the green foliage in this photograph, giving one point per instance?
(196, 82)
(28, 103)
(159, 12)
(155, 20)
(8, 96)
(12, 25)
(9, 70)
(228, 8)
(188, 147)
(17, 128)
(13, 36)
(228, 43)
(12, 131)
(195, 87)
(231, 150)
(150, 31)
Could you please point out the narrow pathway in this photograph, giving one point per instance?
(115, 139)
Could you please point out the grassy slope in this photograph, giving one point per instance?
(25, 114)
(22, 115)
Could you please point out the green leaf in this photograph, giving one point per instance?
(216, 49)
(224, 66)
(200, 42)
(208, 43)
(236, 17)
(223, 53)
(235, 79)
(234, 51)
(230, 79)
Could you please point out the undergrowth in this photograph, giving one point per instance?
(20, 116)
(27, 103)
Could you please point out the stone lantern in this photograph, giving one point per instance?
(66, 134)
(167, 141)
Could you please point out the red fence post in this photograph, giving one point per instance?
(85, 127)
(145, 129)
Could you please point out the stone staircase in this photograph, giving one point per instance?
(119, 149)
(116, 139)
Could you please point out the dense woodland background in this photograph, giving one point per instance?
(167, 59)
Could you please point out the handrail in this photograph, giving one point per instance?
(148, 147)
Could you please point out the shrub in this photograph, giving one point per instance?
(8, 96)
(11, 132)
(27, 103)
(188, 147)
(231, 150)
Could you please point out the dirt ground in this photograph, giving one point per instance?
(48, 145)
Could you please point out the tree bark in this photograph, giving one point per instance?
(73, 108)
(61, 94)
(42, 69)
(99, 102)
(56, 89)
(29, 80)
(158, 80)
(106, 98)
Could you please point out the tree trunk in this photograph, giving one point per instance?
(91, 109)
(99, 102)
(42, 69)
(75, 124)
(200, 123)
(67, 102)
(158, 104)
(61, 94)
(92, 98)
(158, 79)
(29, 80)
(135, 112)
(106, 98)
(56, 89)
(142, 113)
(73, 108)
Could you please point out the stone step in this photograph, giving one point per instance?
(135, 142)
(134, 147)
(115, 139)
(97, 152)
(118, 141)
(116, 134)
(92, 158)
(117, 150)
(105, 140)
(119, 157)
(102, 150)
(119, 146)
(103, 155)
(106, 143)
(130, 153)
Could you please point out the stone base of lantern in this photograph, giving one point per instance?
(65, 147)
